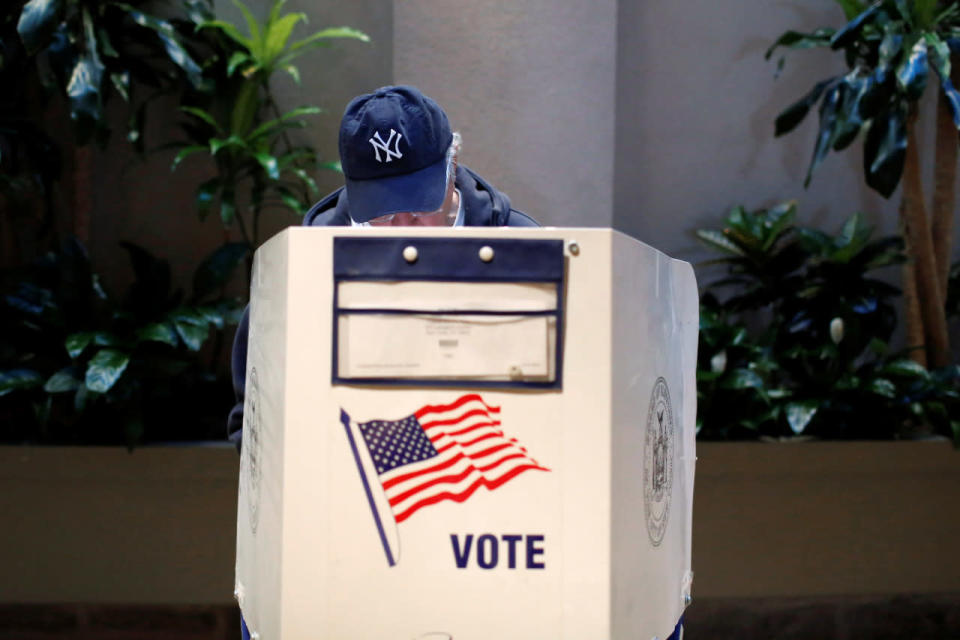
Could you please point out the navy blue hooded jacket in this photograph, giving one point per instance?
(483, 206)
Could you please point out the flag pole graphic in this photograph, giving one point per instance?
(345, 419)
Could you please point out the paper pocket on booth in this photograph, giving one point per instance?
(446, 346)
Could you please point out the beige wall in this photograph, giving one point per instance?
(530, 84)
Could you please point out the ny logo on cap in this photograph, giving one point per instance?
(379, 145)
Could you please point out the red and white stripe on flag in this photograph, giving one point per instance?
(473, 452)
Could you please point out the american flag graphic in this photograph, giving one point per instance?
(439, 452)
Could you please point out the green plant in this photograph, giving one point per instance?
(890, 47)
(64, 61)
(798, 344)
(79, 366)
(244, 129)
(87, 51)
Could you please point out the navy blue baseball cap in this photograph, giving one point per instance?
(393, 149)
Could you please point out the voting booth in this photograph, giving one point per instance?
(467, 433)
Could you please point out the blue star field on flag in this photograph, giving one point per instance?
(394, 443)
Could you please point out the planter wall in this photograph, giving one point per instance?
(101, 525)
(826, 518)
(156, 526)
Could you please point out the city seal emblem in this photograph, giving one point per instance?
(658, 462)
(250, 458)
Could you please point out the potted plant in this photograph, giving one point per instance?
(894, 50)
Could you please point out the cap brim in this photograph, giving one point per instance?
(419, 191)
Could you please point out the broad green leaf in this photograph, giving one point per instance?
(83, 88)
(270, 125)
(256, 39)
(939, 54)
(19, 380)
(77, 342)
(158, 332)
(193, 335)
(308, 155)
(106, 339)
(213, 316)
(890, 47)
(318, 38)
(293, 71)
(269, 164)
(274, 15)
(912, 71)
(883, 387)
(229, 30)
(293, 202)
(779, 218)
(793, 115)
(827, 133)
(206, 116)
(309, 181)
(171, 43)
(278, 35)
(884, 152)
(854, 236)
(217, 268)
(906, 368)
(799, 414)
(121, 82)
(187, 315)
(38, 19)
(799, 40)
(849, 33)
(62, 381)
(719, 241)
(105, 368)
(198, 11)
(218, 144)
(183, 153)
(849, 118)
(743, 379)
(952, 96)
(237, 59)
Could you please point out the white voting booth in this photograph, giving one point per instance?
(468, 434)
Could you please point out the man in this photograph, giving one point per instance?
(399, 158)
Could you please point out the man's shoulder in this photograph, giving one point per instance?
(485, 205)
(331, 211)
